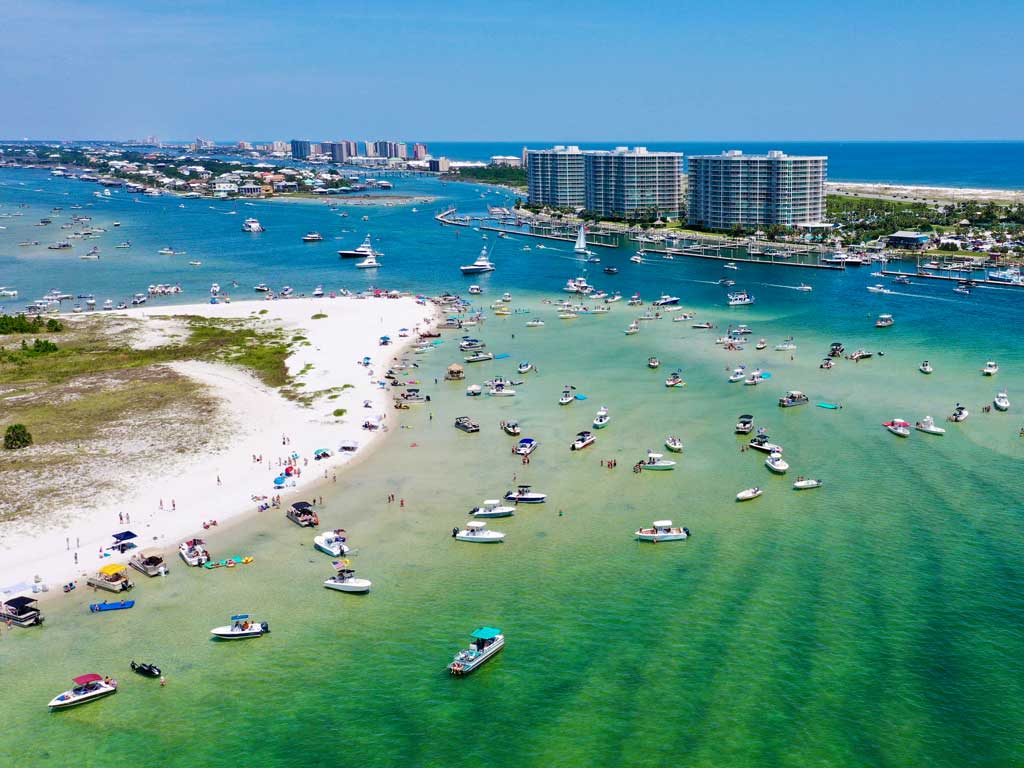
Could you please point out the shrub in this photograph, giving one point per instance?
(17, 436)
(319, 316)
(340, 412)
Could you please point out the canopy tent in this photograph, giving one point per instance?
(124, 536)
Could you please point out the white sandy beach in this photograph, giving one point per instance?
(923, 194)
(169, 500)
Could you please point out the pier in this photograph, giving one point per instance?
(962, 278)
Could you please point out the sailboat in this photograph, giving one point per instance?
(581, 243)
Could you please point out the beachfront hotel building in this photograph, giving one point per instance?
(633, 183)
(555, 177)
(751, 191)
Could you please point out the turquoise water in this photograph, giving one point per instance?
(876, 621)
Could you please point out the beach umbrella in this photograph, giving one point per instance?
(279, 480)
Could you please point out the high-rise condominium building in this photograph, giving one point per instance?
(555, 177)
(633, 183)
(419, 151)
(301, 150)
(752, 191)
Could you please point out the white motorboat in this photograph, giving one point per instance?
(657, 462)
(884, 321)
(730, 265)
(511, 427)
(523, 495)
(332, 542)
(674, 444)
(760, 443)
(776, 463)
(748, 494)
(193, 552)
(476, 532)
(666, 301)
(363, 251)
(744, 424)
(566, 397)
(583, 439)
(486, 643)
(601, 419)
(474, 390)
(475, 290)
(506, 297)
(925, 367)
(804, 287)
(675, 380)
(898, 427)
(636, 259)
(738, 374)
(479, 357)
(662, 530)
(242, 627)
(653, 363)
(633, 328)
(252, 225)
(960, 413)
(990, 369)
(501, 390)
(755, 378)
(370, 262)
(482, 264)
(786, 346)
(534, 323)
(806, 483)
(740, 299)
(524, 367)
(761, 344)
(344, 579)
(526, 446)
(879, 288)
(261, 288)
(927, 425)
(318, 293)
(312, 237)
(1001, 402)
(87, 688)
(492, 508)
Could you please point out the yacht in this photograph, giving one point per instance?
(482, 264)
(925, 367)
(601, 419)
(740, 298)
(657, 462)
(476, 532)
(523, 495)
(927, 425)
(344, 579)
(583, 439)
(748, 494)
(193, 552)
(364, 250)
(1001, 402)
(884, 321)
(990, 369)
(492, 508)
(744, 424)
(370, 262)
(898, 427)
(86, 688)
(776, 463)
(578, 285)
(312, 237)
(674, 444)
(252, 225)
(332, 542)
(241, 627)
(526, 446)
(486, 642)
(662, 530)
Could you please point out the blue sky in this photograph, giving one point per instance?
(515, 70)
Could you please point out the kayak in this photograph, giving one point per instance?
(830, 406)
(229, 562)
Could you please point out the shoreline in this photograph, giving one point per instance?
(171, 497)
(918, 193)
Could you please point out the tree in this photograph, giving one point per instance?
(17, 436)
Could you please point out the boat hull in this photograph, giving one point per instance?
(73, 701)
(227, 633)
(351, 585)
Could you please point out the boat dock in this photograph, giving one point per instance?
(960, 277)
(701, 252)
(449, 218)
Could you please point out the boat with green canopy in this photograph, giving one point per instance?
(485, 642)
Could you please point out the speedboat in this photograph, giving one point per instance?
(611, 270)
(242, 627)
(482, 264)
(87, 688)
(653, 362)
(879, 288)
(740, 299)
(474, 390)
(730, 265)
(761, 344)
(501, 390)
(637, 259)
(776, 463)
(990, 369)
(675, 380)
(506, 297)
(793, 398)
(601, 419)
(252, 225)
(312, 237)
(744, 424)
(485, 643)
(344, 579)
(479, 357)
(318, 292)
(511, 427)
(261, 288)
(524, 367)
(332, 542)
(884, 321)
(748, 494)
(476, 532)
(738, 374)
(927, 425)
(534, 323)
(656, 461)
(960, 413)
(370, 262)
(492, 508)
(760, 443)
(475, 290)
(363, 251)
(633, 328)
(806, 483)
(526, 446)
(703, 326)
(836, 349)
(898, 427)
(193, 552)
(666, 301)
(662, 530)
(804, 287)
(523, 495)
(674, 444)
(826, 364)
(786, 346)
(566, 397)
(925, 367)
(1001, 402)
(583, 439)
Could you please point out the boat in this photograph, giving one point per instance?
(836, 349)
(253, 225)
(744, 424)
(193, 552)
(761, 443)
(87, 688)
(761, 344)
(636, 259)
(827, 364)
(1001, 402)
(879, 288)
(902, 280)
(963, 290)
(738, 374)
(139, 298)
(990, 369)
(927, 425)
(740, 299)
(748, 494)
(786, 346)
(611, 270)
(479, 357)
(730, 265)
(506, 297)
(804, 288)
(578, 285)
(524, 367)
(925, 367)
(657, 462)
(583, 439)
(776, 463)
(120, 605)
(960, 413)
(806, 483)
(793, 398)
(884, 321)
(485, 643)
(511, 427)
(534, 323)
(318, 292)
(370, 262)
(22, 611)
(666, 301)
(261, 288)
(146, 670)
(662, 530)
(151, 565)
(492, 508)
(466, 424)
(653, 362)
(580, 247)
(675, 380)
(312, 237)
(523, 495)
(632, 329)
(242, 627)
(898, 427)
(566, 397)
(361, 252)
(601, 419)
(482, 264)
(112, 577)
(302, 514)
(93, 254)
(476, 532)
(344, 579)
(332, 543)
(703, 326)
(674, 444)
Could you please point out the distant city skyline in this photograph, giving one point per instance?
(525, 71)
